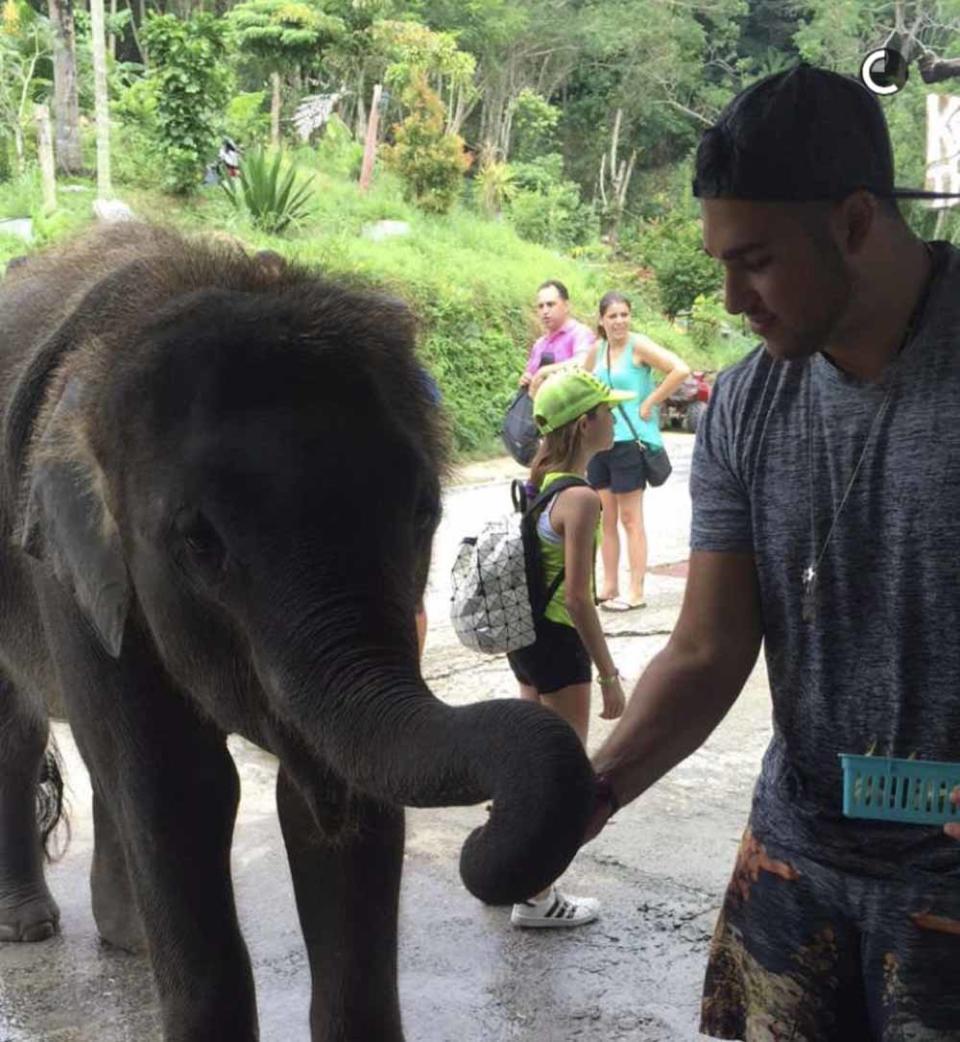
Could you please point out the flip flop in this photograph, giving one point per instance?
(621, 604)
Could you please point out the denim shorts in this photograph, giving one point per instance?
(620, 469)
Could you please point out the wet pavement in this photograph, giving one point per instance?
(465, 974)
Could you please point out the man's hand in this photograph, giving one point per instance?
(524, 380)
(538, 377)
(545, 370)
(953, 829)
(688, 687)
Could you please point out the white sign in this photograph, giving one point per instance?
(943, 147)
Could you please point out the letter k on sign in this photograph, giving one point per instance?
(943, 147)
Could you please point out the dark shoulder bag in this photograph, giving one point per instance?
(519, 432)
(656, 462)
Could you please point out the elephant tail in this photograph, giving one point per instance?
(51, 811)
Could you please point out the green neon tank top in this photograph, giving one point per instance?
(552, 556)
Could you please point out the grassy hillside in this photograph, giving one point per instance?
(471, 280)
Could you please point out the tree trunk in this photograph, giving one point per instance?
(360, 127)
(45, 151)
(370, 143)
(491, 103)
(275, 110)
(614, 181)
(142, 7)
(935, 70)
(101, 101)
(459, 112)
(494, 116)
(66, 109)
(22, 107)
(18, 147)
(483, 135)
(112, 38)
(619, 201)
(504, 126)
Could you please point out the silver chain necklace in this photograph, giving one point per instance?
(811, 574)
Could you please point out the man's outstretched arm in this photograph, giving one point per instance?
(688, 687)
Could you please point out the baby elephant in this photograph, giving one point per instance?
(221, 484)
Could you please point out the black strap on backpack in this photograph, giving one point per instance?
(518, 495)
(531, 511)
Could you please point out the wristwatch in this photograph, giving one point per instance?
(604, 793)
(603, 681)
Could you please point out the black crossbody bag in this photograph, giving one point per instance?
(656, 462)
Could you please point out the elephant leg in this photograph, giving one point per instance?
(28, 912)
(172, 791)
(173, 794)
(347, 892)
(176, 817)
(114, 905)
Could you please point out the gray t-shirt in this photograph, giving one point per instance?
(879, 666)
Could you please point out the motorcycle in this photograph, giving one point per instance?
(226, 166)
(686, 406)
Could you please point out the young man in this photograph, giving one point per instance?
(826, 525)
(564, 338)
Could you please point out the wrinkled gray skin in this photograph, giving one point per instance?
(221, 485)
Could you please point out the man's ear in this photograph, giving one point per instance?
(857, 215)
(67, 524)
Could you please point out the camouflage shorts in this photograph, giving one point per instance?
(810, 954)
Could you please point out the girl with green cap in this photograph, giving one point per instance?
(572, 412)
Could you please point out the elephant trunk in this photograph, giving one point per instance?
(392, 739)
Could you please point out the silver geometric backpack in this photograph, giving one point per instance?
(497, 578)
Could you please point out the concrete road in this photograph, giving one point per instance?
(465, 974)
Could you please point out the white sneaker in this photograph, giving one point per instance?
(555, 910)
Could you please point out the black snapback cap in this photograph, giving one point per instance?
(798, 136)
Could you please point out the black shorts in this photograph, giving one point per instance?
(620, 469)
(557, 659)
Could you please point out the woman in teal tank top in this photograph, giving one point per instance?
(626, 361)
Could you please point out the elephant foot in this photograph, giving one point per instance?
(114, 910)
(119, 924)
(28, 914)
(127, 935)
(114, 906)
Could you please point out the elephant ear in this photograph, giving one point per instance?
(68, 525)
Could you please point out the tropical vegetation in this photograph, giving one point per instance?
(513, 140)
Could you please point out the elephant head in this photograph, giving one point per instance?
(244, 468)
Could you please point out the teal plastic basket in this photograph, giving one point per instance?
(887, 789)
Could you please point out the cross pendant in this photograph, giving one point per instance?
(808, 610)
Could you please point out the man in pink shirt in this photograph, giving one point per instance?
(564, 338)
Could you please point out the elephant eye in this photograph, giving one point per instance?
(200, 539)
(427, 513)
